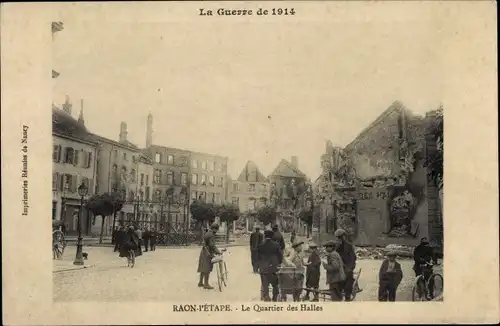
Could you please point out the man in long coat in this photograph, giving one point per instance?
(208, 251)
(270, 257)
(346, 251)
(255, 239)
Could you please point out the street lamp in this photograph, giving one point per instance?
(82, 191)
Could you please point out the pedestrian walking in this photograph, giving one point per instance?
(270, 257)
(130, 242)
(390, 276)
(313, 272)
(208, 251)
(139, 232)
(255, 240)
(152, 239)
(119, 238)
(346, 251)
(335, 275)
(146, 236)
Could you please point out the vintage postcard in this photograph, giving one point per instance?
(249, 162)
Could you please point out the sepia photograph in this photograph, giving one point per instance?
(215, 182)
(249, 162)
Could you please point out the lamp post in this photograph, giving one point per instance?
(82, 191)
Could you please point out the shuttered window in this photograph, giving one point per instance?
(55, 179)
(76, 158)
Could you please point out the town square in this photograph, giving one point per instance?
(234, 201)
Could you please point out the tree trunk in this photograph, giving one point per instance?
(227, 231)
(102, 229)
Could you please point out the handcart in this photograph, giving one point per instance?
(290, 281)
(324, 294)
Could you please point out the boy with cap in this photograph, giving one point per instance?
(313, 272)
(335, 275)
(390, 276)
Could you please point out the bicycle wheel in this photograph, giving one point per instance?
(219, 276)
(418, 292)
(438, 285)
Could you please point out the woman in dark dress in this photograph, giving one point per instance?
(130, 242)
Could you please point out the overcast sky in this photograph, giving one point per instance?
(219, 88)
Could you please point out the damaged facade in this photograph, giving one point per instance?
(377, 187)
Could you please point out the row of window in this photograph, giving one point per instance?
(252, 203)
(141, 195)
(251, 187)
(69, 183)
(211, 181)
(169, 178)
(195, 164)
(208, 197)
(124, 175)
(124, 156)
(69, 155)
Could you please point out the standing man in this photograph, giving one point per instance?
(138, 231)
(146, 236)
(270, 257)
(423, 255)
(152, 239)
(335, 274)
(208, 251)
(278, 237)
(346, 251)
(255, 239)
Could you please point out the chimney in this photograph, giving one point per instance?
(149, 131)
(295, 162)
(81, 119)
(67, 105)
(123, 132)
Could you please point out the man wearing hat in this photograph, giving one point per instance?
(208, 251)
(255, 239)
(346, 251)
(270, 257)
(296, 259)
(389, 276)
(335, 274)
(313, 271)
(278, 237)
(422, 255)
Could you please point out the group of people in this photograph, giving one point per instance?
(133, 238)
(269, 254)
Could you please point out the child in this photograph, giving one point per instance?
(313, 272)
(390, 276)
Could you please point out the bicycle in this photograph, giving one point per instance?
(221, 269)
(421, 286)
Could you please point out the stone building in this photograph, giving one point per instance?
(208, 177)
(170, 182)
(377, 186)
(73, 163)
(117, 169)
(287, 184)
(251, 189)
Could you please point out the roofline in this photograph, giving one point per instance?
(74, 138)
(290, 165)
(190, 151)
(114, 142)
(396, 105)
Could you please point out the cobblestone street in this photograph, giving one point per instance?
(170, 274)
